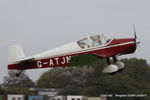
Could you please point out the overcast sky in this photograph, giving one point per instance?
(39, 25)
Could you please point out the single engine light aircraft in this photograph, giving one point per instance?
(76, 53)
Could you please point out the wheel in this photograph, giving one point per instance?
(110, 69)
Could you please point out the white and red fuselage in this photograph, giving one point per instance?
(61, 56)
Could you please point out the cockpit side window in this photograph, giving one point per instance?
(84, 43)
(96, 40)
(92, 41)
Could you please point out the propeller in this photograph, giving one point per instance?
(136, 43)
(135, 34)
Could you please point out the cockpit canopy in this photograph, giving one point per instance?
(93, 41)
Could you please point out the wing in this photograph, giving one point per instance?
(84, 59)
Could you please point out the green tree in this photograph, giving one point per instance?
(17, 90)
(21, 82)
(64, 77)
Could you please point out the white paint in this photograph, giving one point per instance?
(63, 61)
(68, 58)
(39, 64)
(51, 62)
(71, 47)
(15, 97)
(45, 63)
(58, 98)
(75, 97)
(57, 60)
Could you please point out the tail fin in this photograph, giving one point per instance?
(15, 52)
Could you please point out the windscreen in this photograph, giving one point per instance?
(92, 41)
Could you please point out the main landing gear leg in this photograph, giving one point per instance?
(118, 63)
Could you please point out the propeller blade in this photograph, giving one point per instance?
(135, 33)
(136, 43)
